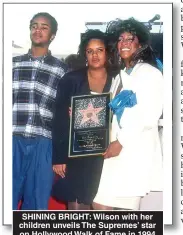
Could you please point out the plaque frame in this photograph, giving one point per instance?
(101, 133)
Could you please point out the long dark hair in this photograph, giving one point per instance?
(89, 35)
(97, 34)
(145, 53)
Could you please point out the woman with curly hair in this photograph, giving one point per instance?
(79, 177)
(133, 161)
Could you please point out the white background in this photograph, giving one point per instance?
(11, 30)
(71, 20)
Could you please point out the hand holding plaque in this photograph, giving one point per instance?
(89, 125)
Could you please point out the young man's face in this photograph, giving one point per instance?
(40, 32)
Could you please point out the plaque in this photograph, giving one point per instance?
(90, 125)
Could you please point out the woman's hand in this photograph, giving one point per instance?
(113, 149)
(60, 169)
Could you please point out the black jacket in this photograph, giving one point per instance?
(72, 84)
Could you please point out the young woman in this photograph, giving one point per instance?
(133, 161)
(79, 177)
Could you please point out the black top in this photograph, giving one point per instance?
(82, 173)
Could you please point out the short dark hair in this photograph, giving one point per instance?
(74, 62)
(87, 36)
(53, 22)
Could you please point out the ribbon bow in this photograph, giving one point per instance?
(125, 98)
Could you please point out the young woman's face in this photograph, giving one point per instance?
(127, 45)
(40, 31)
(96, 53)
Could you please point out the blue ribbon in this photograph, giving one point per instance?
(159, 64)
(125, 98)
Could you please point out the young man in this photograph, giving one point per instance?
(35, 79)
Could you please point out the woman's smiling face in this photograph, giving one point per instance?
(127, 45)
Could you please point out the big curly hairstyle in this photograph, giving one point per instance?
(97, 34)
(89, 35)
(145, 53)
